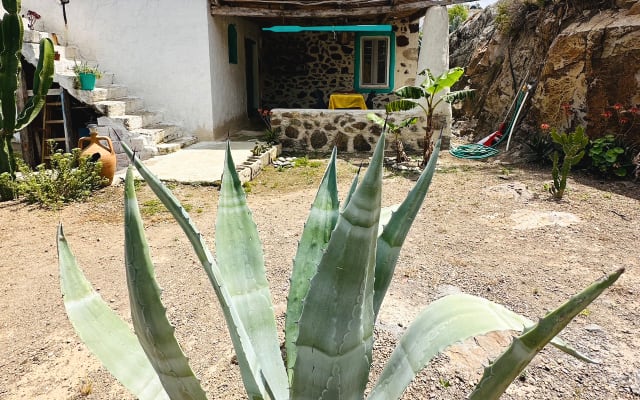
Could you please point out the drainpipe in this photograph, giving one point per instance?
(434, 54)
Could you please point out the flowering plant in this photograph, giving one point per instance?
(270, 135)
(608, 154)
(32, 18)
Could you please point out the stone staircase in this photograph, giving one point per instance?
(146, 130)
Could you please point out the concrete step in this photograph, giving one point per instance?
(138, 119)
(176, 144)
(109, 92)
(119, 107)
(159, 133)
(67, 52)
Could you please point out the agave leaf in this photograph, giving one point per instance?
(155, 333)
(352, 188)
(241, 263)
(336, 326)
(315, 237)
(385, 216)
(103, 331)
(499, 375)
(250, 365)
(395, 232)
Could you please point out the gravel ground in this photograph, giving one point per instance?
(487, 228)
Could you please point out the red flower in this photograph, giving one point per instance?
(545, 127)
(634, 110)
(607, 114)
(617, 106)
(624, 120)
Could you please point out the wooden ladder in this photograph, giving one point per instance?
(55, 123)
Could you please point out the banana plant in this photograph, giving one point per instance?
(342, 269)
(11, 32)
(424, 97)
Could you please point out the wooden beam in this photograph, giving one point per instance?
(317, 12)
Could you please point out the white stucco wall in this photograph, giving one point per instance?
(159, 49)
(229, 104)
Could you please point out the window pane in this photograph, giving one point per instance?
(367, 62)
(382, 62)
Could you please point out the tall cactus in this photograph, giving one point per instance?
(11, 31)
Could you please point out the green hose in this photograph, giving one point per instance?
(473, 151)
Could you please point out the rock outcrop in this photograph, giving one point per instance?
(582, 58)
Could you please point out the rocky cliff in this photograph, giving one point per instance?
(582, 59)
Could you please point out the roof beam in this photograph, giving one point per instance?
(305, 10)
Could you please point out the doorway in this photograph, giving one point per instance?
(251, 71)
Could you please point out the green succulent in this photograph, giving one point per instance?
(344, 263)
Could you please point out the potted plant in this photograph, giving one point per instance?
(87, 75)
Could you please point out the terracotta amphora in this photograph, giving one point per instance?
(94, 148)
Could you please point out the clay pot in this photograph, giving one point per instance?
(93, 147)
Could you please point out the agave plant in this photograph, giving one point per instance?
(343, 266)
(424, 97)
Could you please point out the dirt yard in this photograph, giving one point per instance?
(486, 228)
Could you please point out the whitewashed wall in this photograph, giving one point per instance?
(161, 50)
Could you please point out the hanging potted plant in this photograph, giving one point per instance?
(87, 75)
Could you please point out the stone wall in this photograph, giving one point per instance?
(295, 65)
(310, 130)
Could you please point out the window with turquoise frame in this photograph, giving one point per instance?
(375, 61)
(232, 37)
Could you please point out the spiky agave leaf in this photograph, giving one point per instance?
(395, 232)
(313, 242)
(241, 262)
(103, 331)
(155, 333)
(336, 326)
(251, 365)
(499, 375)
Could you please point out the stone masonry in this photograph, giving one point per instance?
(311, 130)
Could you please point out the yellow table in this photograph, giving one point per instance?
(347, 100)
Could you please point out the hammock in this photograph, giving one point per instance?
(488, 146)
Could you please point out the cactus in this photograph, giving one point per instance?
(342, 269)
(11, 30)
(573, 145)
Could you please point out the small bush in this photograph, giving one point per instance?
(71, 178)
(609, 157)
(8, 187)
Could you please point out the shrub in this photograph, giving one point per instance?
(457, 15)
(345, 260)
(608, 157)
(70, 178)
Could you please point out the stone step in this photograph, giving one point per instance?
(109, 92)
(119, 107)
(67, 52)
(138, 120)
(159, 133)
(176, 144)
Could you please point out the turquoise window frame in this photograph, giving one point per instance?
(232, 42)
(392, 62)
